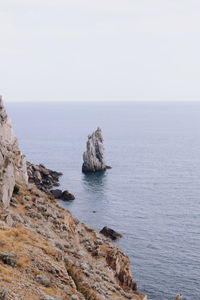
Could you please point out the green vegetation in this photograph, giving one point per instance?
(16, 189)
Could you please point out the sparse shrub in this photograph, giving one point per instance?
(16, 189)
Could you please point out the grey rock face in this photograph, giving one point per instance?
(12, 161)
(93, 157)
(43, 280)
(9, 258)
(3, 294)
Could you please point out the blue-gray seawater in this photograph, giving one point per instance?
(152, 193)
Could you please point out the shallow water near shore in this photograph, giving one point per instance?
(152, 193)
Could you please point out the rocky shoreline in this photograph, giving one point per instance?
(46, 179)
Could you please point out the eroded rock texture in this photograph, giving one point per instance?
(93, 157)
(12, 161)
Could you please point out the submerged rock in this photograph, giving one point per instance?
(110, 233)
(179, 297)
(93, 157)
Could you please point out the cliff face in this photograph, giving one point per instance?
(12, 162)
(93, 157)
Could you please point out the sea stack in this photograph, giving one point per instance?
(93, 157)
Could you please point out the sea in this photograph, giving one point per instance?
(152, 193)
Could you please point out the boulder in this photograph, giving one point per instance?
(9, 258)
(67, 196)
(108, 232)
(93, 157)
(45, 281)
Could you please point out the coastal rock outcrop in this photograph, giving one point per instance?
(65, 195)
(12, 161)
(118, 262)
(93, 157)
(45, 179)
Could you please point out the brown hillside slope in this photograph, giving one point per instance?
(46, 253)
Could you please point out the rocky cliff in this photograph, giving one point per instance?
(93, 157)
(12, 161)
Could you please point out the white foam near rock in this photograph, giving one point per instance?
(12, 161)
(93, 157)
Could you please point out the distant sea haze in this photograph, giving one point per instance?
(152, 193)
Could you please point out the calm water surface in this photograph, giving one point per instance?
(152, 193)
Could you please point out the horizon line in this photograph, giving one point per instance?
(94, 101)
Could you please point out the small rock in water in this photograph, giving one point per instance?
(108, 232)
(67, 196)
(179, 297)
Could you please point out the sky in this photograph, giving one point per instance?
(68, 50)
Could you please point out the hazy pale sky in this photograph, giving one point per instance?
(99, 50)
